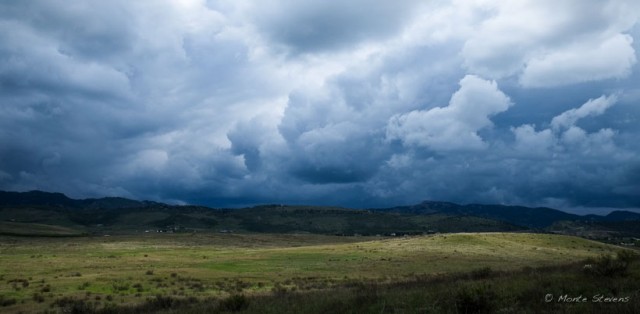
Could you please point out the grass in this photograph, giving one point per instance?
(36, 230)
(501, 292)
(129, 269)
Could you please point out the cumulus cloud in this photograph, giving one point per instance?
(119, 99)
(564, 136)
(321, 26)
(571, 153)
(611, 58)
(593, 107)
(453, 127)
(559, 44)
(355, 104)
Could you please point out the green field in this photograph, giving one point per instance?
(121, 270)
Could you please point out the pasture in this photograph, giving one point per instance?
(40, 273)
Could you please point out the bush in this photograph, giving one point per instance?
(476, 299)
(160, 302)
(234, 303)
(73, 306)
(120, 286)
(610, 266)
(7, 302)
(481, 273)
(627, 256)
(138, 287)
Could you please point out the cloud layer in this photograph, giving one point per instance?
(354, 104)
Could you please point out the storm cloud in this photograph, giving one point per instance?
(360, 104)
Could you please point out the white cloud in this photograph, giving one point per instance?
(548, 44)
(611, 58)
(564, 137)
(454, 127)
(592, 107)
(600, 142)
(229, 102)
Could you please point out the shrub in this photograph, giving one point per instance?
(278, 289)
(7, 302)
(160, 302)
(234, 303)
(120, 286)
(138, 287)
(481, 273)
(475, 299)
(610, 266)
(626, 256)
(71, 305)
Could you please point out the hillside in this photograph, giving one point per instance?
(120, 215)
(263, 219)
(114, 215)
(539, 217)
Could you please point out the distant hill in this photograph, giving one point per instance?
(121, 215)
(540, 217)
(36, 198)
(612, 231)
(39, 198)
(621, 215)
(111, 203)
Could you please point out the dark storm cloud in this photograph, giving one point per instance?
(320, 26)
(104, 35)
(353, 104)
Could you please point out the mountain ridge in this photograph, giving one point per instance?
(427, 216)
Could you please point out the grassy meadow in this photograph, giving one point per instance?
(41, 274)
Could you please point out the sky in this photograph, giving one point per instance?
(347, 103)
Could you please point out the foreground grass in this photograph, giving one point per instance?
(48, 273)
(554, 289)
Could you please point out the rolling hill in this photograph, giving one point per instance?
(121, 215)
